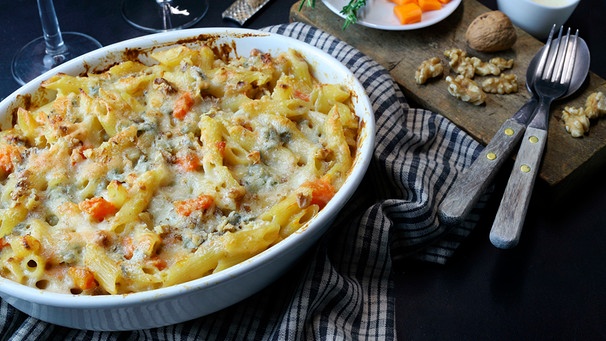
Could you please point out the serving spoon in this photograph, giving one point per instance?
(470, 184)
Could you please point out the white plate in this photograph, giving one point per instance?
(379, 14)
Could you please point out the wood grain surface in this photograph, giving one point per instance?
(566, 159)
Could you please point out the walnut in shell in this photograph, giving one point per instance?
(491, 32)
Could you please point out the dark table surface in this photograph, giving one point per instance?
(551, 286)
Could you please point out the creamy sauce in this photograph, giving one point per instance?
(553, 3)
(129, 179)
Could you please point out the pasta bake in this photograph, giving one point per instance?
(148, 175)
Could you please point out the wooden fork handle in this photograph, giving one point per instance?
(507, 226)
(470, 184)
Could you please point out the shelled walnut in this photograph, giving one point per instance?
(430, 68)
(467, 67)
(595, 105)
(460, 63)
(465, 89)
(483, 68)
(575, 121)
(502, 63)
(504, 84)
(471, 66)
(493, 67)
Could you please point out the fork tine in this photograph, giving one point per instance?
(571, 55)
(549, 70)
(561, 57)
(545, 54)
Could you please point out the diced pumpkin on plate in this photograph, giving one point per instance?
(408, 13)
(443, 2)
(430, 5)
(404, 2)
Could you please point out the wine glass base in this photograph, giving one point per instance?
(161, 16)
(32, 61)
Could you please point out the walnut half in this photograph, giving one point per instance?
(429, 68)
(578, 120)
(466, 90)
(460, 63)
(577, 124)
(505, 84)
(595, 105)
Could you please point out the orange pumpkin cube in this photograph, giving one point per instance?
(430, 5)
(408, 13)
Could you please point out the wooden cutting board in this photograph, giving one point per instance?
(566, 159)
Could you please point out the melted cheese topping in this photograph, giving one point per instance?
(145, 176)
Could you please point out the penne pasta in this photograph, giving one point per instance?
(148, 175)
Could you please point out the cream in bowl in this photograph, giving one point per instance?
(538, 16)
(177, 172)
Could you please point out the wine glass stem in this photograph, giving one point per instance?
(166, 21)
(56, 50)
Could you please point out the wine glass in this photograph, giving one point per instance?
(50, 50)
(163, 15)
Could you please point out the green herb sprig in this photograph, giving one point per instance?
(350, 11)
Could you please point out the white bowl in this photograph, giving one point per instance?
(206, 295)
(537, 16)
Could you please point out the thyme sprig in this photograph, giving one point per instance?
(350, 11)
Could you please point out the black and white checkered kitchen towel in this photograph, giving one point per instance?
(342, 288)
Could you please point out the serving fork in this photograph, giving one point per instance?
(552, 80)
